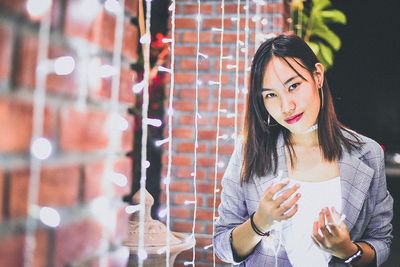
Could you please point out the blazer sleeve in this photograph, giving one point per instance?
(379, 229)
(232, 209)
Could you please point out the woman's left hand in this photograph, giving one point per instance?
(335, 238)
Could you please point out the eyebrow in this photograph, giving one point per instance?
(285, 83)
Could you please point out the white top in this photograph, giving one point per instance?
(297, 231)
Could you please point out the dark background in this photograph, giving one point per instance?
(365, 81)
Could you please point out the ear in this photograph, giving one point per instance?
(319, 74)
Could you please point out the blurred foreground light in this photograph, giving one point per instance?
(107, 71)
(41, 148)
(138, 87)
(132, 209)
(119, 179)
(142, 254)
(153, 122)
(49, 217)
(112, 6)
(64, 65)
(37, 8)
(396, 157)
(118, 122)
(162, 213)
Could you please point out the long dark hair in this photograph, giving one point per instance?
(259, 139)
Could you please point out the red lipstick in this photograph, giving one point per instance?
(294, 118)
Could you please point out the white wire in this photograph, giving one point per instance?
(246, 51)
(196, 132)
(170, 114)
(218, 120)
(145, 106)
(237, 67)
(39, 97)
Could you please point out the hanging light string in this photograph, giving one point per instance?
(145, 40)
(171, 8)
(246, 50)
(218, 120)
(256, 20)
(39, 97)
(237, 68)
(116, 124)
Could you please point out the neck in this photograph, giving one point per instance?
(305, 139)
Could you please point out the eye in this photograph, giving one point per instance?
(269, 95)
(293, 86)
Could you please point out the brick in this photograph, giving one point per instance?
(130, 41)
(103, 25)
(191, 37)
(207, 134)
(229, 38)
(6, 47)
(179, 160)
(224, 149)
(210, 201)
(184, 78)
(184, 105)
(204, 214)
(53, 180)
(83, 131)
(186, 23)
(205, 187)
(215, 23)
(181, 50)
(189, 148)
(70, 246)
(12, 250)
(193, 9)
(93, 180)
(182, 133)
(17, 116)
(189, 120)
(186, 226)
(121, 226)
(190, 64)
(180, 198)
(186, 173)
(182, 213)
(206, 161)
(181, 186)
(203, 93)
(1, 193)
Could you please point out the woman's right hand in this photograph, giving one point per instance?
(270, 209)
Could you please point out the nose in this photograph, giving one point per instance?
(287, 104)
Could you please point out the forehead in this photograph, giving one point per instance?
(277, 71)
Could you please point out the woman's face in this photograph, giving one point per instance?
(292, 101)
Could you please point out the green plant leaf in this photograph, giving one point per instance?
(333, 16)
(322, 31)
(314, 47)
(318, 5)
(326, 53)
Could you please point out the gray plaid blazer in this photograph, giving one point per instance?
(366, 202)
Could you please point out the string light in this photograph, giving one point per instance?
(64, 65)
(138, 87)
(119, 179)
(170, 114)
(145, 40)
(49, 217)
(38, 8)
(218, 117)
(112, 6)
(132, 209)
(161, 142)
(153, 122)
(41, 148)
(107, 71)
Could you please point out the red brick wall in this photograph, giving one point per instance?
(71, 180)
(184, 107)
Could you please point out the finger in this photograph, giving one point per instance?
(329, 217)
(322, 225)
(287, 194)
(290, 203)
(316, 235)
(316, 241)
(270, 192)
(291, 212)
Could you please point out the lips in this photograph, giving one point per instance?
(294, 119)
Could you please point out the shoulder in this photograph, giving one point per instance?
(369, 149)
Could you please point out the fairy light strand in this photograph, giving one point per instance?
(114, 121)
(218, 120)
(170, 114)
(237, 68)
(39, 96)
(246, 49)
(196, 131)
(146, 38)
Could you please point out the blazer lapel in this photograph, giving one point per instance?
(262, 183)
(355, 177)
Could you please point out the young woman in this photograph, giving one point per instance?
(301, 189)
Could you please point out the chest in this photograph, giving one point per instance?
(310, 165)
